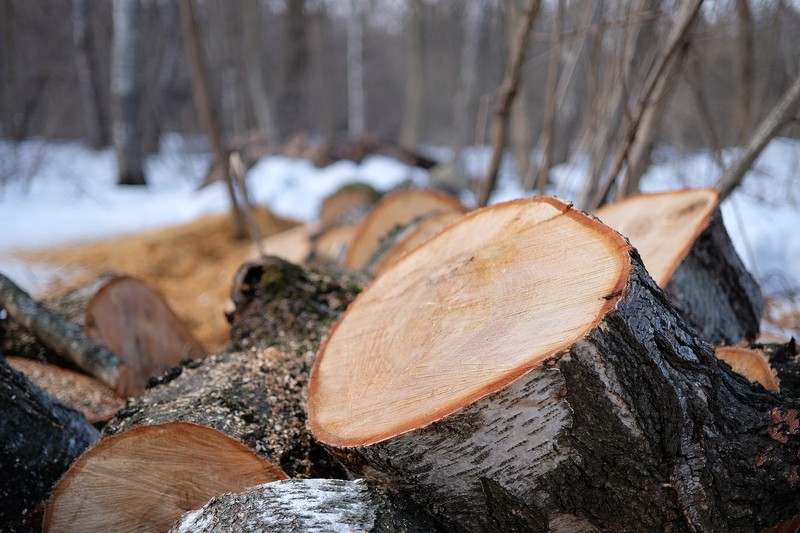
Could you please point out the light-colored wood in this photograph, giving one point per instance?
(97, 402)
(137, 324)
(292, 245)
(332, 244)
(416, 235)
(465, 328)
(347, 205)
(397, 209)
(751, 364)
(663, 226)
(146, 478)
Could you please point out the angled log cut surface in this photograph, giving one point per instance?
(293, 245)
(394, 210)
(137, 324)
(683, 243)
(750, 363)
(145, 479)
(449, 339)
(521, 371)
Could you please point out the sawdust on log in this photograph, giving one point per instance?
(192, 265)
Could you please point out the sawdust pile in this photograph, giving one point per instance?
(191, 265)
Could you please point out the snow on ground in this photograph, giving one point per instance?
(62, 193)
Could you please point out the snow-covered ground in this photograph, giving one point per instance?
(61, 193)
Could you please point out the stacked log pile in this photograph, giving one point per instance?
(519, 368)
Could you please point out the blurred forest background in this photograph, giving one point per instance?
(413, 73)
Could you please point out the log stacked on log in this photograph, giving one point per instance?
(750, 363)
(532, 376)
(39, 438)
(683, 243)
(254, 397)
(115, 328)
(305, 505)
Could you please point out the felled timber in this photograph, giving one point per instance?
(785, 360)
(331, 245)
(522, 371)
(683, 243)
(347, 205)
(305, 505)
(39, 438)
(293, 245)
(138, 480)
(95, 401)
(133, 335)
(750, 363)
(393, 210)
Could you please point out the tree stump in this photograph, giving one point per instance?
(683, 243)
(521, 371)
(397, 209)
(39, 438)
(305, 505)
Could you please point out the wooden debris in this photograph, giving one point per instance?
(521, 371)
(683, 243)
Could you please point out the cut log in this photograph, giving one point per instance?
(521, 371)
(397, 209)
(39, 438)
(305, 505)
(293, 245)
(348, 205)
(331, 246)
(146, 478)
(410, 237)
(683, 243)
(752, 364)
(91, 398)
(133, 333)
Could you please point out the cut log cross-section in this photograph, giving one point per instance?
(683, 243)
(393, 210)
(521, 371)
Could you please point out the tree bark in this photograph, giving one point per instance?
(305, 505)
(507, 94)
(87, 77)
(412, 109)
(205, 110)
(745, 45)
(40, 438)
(125, 89)
(627, 422)
(262, 105)
(356, 119)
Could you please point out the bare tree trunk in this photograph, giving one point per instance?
(251, 15)
(125, 89)
(508, 92)
(7, 18)
(468, 72)
(767, 129)
(745, 50)
(87, 80)
(202, 101)
(520, 120)
(293, 98)
(545, 145)
(356, 121)
(676, 37)
(413, 104)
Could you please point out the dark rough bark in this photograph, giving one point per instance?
(39, 439)
(305, 505)
(635, 427)
(714, 292)
(255, 394)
